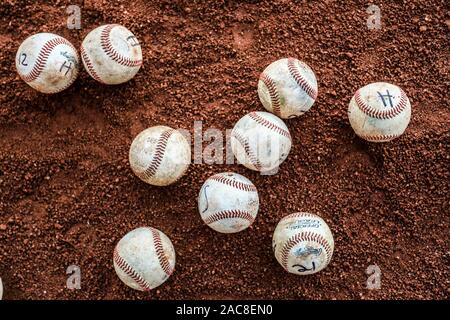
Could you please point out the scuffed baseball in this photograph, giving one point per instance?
(379, 112)
(160, 155)
(47, 62)
(287, 88)
(144, 258)
(303, 243)
(260, 141)
(111, 54)
(228, 202)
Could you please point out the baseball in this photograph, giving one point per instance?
(1, 289)
(144, 258)
(228, 202)
(47, 62)
(287, 88)
(379, 112)
(111, 54)
(160, 155)
(303, 243)
(260, 141)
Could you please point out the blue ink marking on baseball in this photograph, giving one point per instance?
(304, 252)
(387, 95)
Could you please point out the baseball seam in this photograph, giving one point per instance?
(247, 149)
(301, 237)
(111, 52)
(301, 81)
(159, 154)
(229, 214)
(379, 138)
(128, 270)
(381, 114)
(273, 92)
(163, 261)
(67, 85)
(89, 66)
(266, 123)
(233, 183)
(42, 58)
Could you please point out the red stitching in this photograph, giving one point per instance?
(42, 58)
(125, 267)
(266, 123)
(89, 65)
(381, 114)
(299, 215)
(229, 214)
(248, 150)
(301, 81)
(300, 237)
(67, 85)
(233, 183)
(380, 138)
(163, 261)
(273, 92)
(159, 154)
(111, 52)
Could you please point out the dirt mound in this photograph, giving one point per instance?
(67, 194)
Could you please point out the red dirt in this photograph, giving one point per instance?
(67, 194)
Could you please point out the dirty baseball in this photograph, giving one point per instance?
(111, 54)
(159, 155)
(144, 258)
(260, 141)
(379, 112)
(303, 243)
(47, 62)
(228, 202)
(287, 88)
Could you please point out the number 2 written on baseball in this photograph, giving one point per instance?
(22, 59)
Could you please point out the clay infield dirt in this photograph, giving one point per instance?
(67, 193)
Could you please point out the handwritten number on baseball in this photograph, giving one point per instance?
(133, 42)
(302, 268)
(23, 56)
(387, 96)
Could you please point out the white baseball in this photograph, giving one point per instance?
(287, 88)
(303, 243)
(228, 202)
(111, 54)
(160, 155)
(379, 112)
(260, 141)
(144, 258)
(47, 62)
(1, 289)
